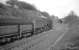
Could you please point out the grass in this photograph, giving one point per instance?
(71, 36)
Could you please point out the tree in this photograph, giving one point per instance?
(71, 17)
(3, 9)
(12, 3)
(21, 5)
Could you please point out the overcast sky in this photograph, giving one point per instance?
(57, 7)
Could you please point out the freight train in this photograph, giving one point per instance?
(15, 29)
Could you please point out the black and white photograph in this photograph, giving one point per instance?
(39, 24)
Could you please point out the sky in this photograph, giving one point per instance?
(58, 8)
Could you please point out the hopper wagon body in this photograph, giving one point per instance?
(14, 29)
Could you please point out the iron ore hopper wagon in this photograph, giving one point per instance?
(14, 29)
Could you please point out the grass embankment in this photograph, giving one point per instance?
(70, 40)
